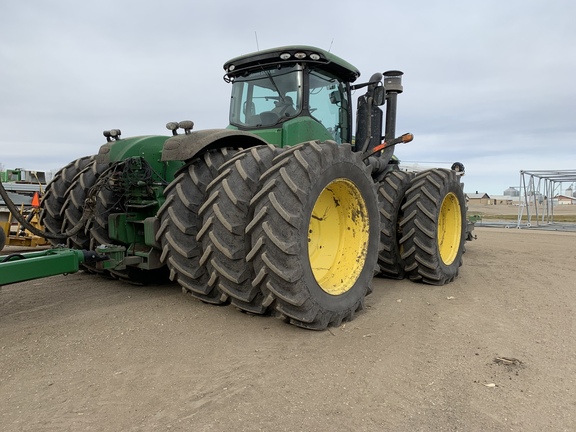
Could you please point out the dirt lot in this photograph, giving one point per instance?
(79, 352)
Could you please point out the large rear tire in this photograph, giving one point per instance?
(391, 194)
(434, 227)
(75, 202)
(51, 216)
(315, 234)
(226, 213)
(107, 202)
(180, 224)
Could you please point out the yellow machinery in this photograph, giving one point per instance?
(14, 233)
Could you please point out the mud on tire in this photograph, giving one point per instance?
(226, 213)
(434, 227)
(180, 224)
(315, 234)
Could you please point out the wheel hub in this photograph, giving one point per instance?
(449, 228)
(338, 236)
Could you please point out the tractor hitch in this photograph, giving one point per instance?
(21, 267)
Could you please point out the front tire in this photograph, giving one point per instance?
(434, 227)
(391, 194)
(315, 234)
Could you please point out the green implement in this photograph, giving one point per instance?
(21, 267)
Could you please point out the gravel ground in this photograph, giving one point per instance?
(492, 351)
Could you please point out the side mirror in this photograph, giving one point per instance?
(379, 96)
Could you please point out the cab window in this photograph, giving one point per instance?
(328, 104)
(265, 98)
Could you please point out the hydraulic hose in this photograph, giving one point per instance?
(20, 218)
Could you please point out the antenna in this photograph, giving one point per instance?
(331, 42)
(257, 45)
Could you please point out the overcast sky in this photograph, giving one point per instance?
(488, 83)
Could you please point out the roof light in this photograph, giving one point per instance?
(187, 125)
(300, 55)
(231, 68)
(113, 134)
(285, 56)
(315, 56)
(173, 126)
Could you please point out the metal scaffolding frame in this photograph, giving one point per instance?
(537, 191)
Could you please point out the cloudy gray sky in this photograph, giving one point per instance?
(487, 83)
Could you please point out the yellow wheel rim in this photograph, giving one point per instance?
(338, 237)
(449, 228)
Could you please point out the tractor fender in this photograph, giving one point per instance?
(148, 146)
(186, 146)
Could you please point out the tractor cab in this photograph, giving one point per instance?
(288, 95)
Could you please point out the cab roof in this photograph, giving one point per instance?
(289, 55)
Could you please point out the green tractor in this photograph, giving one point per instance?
(284, 212)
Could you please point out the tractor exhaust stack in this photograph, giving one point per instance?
(393, 87)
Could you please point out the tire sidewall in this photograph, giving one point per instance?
(366, 187)
(453, 186)
(389, 227)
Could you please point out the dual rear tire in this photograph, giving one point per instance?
(225, 215)
(57, 192)
(294, 231)
(180, 224)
